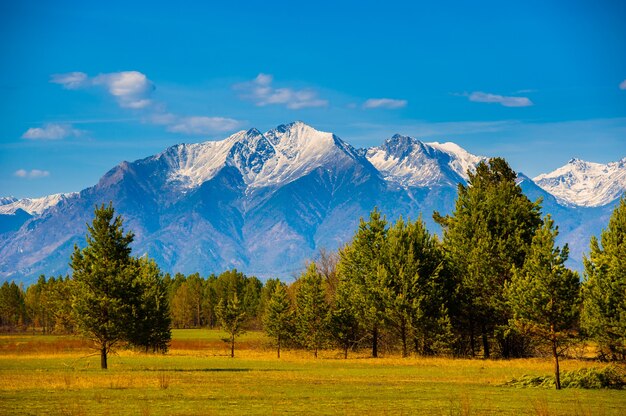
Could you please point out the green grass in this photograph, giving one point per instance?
(191, 381)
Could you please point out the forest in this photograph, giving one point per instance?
(495, 285)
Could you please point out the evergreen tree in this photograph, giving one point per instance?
(12, 306)
(344, 325)
(278, 318)
(151, 316)
(489, 232)
(360, 271)
(311, 310)
(544, 295)
(103, 274)
(604, 289)
(232, 317)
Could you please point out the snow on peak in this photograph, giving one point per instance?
(7, 200)
(584, 183)
(410, 162)
(34, 206)
(280, 155)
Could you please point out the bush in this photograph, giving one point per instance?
(610, 377)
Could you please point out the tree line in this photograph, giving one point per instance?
(494, 285)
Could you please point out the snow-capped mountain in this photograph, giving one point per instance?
(586, 184)
(409, 162)
(277, 157)
(33, 206)
(260, 202)
(7, 200)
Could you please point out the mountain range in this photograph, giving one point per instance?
(264, 203)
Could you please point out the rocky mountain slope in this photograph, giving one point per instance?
(261, 202)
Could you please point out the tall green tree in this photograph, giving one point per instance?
(604, 289)
(544, 295)
(232, 318)
(104, 288)
(360, 266)
(151, 323)
(312, 312)
(488, 233)
(278, 317)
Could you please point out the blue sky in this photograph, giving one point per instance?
(85, 85)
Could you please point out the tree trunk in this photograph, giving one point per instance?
(103, 357)
(557, 375)
(403, 331)
(232, 346)
(278, 344)
(486, 352)
(375, 342)
(345, 351)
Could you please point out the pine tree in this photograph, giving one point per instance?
(604, 289)
(232, 318)
(311, 310)
(103, 274)
(544, 295)
(278, 318)
(488, 233)
(360, 270)
(151, 316)
(344, 325)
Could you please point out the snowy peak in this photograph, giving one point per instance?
(7, 200)
(586, 184)
(410, 162)
(33, 206)
(278, 156)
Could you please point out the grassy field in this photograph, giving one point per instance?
(57, 375)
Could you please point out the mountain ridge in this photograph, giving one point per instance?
(261, 202)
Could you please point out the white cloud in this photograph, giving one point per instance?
(262, 93)
(483, 97)
(131, 89)
(622, 85)
(71, 80)
(51, 132)
(31, 174)
(203, 125)
(389, 103)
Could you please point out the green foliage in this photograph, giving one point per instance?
(115, 297)
(544, 295)
(604, 289)
(312, 311)
(104, 282)
(278, 318)
(12, 306)
(232, 318)
(609, 377)
(488, 233)
(151, 323)
(360, 270)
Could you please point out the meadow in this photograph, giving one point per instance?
(60, 375)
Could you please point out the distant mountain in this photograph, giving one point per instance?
(260, 202)
(33, 206)
(586, 184)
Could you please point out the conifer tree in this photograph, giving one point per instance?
(360, 267)
(604, 289)
(232, 318)
(278, 318)
(103, 274)
(488, 233)
(151, 316)
(344, 325)
(544, 295)
(311, 310)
